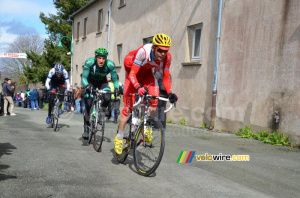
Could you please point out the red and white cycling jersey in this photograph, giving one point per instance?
(144, 59)
(140, 65)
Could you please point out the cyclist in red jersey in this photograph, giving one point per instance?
(139, 65)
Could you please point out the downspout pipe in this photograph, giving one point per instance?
(71, 75)
(214, 91)
(109, 17)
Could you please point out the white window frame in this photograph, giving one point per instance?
(122, 3)
(193, 30)
(147, 40)
(85, 27)
(100, 20)
(78, 31)
(119, 50)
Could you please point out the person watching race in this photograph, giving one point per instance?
(139, 65)
(59, 79)
(94, 75)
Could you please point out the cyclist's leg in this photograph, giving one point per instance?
(61, 90)
(128, 99)
(53, 86)
(88, 101)
(107, 99)
(128, 103)
(116, 110)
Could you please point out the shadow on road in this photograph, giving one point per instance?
(5, 149)
(129, 161)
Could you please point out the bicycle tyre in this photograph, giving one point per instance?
(91, 127)
(147, 158)
(52, 121)
(52, 118)
(99, 134)
(55, 117)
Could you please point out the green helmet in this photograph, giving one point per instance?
(101, 52)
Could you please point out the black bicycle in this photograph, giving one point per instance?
(97, 119)
(55, 111)
(145, 135)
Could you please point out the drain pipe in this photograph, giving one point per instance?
(71, 76)
(108, 32)
(214, 92)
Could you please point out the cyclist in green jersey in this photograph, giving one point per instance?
(94, 75)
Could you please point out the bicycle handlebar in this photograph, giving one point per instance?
(155, 97)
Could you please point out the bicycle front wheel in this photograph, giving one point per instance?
(99, 131)
(92, 125)
(148, 151)
(55, 117)
(52, 120)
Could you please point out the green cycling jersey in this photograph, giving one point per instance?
(96, 73)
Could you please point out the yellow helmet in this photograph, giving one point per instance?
(162, 39)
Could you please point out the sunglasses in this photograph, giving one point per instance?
(162, 51)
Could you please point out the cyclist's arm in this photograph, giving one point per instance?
(67, 84)
(139, 59)
(86, 71)
(49, 76)
(113, 73)
(166, 74)
(66, 79)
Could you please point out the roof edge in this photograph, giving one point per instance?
(87, 5)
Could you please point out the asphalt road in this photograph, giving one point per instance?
(35, 161)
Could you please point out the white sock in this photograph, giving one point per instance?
(120, 135)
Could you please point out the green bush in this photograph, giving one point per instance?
(245, 133)
(169, 121)
(182, 122)
(204, 125)
(265, 136)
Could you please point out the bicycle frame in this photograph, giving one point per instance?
(146, 115)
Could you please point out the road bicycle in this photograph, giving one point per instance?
(97, 119)
(55, 111)
(147, 152)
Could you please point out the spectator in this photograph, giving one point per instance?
(161, 106)
(71, 99)
(34, 99)
(78, 99)
(82, 105)
(41, 97)
(8, 94)
(27, 97)
(22, 98)
(114, 106)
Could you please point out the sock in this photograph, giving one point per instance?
(120, 135)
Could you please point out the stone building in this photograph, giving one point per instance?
(258, 78)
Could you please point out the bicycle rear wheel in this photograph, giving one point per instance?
(99, 130)
(147, 155)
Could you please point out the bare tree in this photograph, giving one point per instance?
(14, 67)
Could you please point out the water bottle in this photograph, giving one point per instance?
(94, 114)
(135, 123)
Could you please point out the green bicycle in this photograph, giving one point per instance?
(97, 119)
